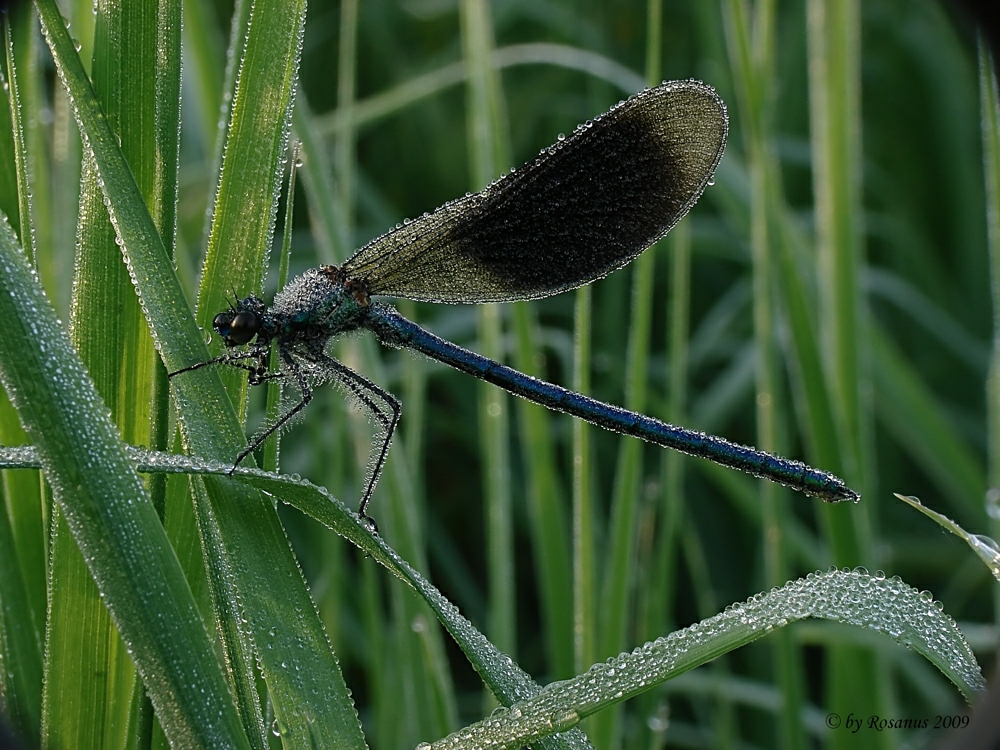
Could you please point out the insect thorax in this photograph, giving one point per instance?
(317, 304)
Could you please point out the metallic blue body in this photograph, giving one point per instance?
(395, 330)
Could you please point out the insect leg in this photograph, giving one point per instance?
(257, 377)
(382, 405)
(232, 359)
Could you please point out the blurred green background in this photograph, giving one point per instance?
(922, 342)
(829, 298)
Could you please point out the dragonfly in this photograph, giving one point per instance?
(582, 208)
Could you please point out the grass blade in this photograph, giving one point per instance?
(109, 513)
(312, 702)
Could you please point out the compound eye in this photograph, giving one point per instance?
(243, 326)
(222, 322)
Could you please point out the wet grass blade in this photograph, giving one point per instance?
(111, 516)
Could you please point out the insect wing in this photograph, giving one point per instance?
(585, 206)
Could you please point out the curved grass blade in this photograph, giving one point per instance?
(508, 682)
(311, 702)
(110, 514)
(888, 606)
(985, 547)
(855, 597)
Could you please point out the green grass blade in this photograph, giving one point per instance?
(890, 607)
(501, 674)
(269, 451)
(345, 142)
(488, 148)
(418, 88)
(618, 589)
(206, 53)
(989, 102)
(754, 58)
(89, 676)
(10, 141)
(546, 497)
(310, 702)
(16, 173)
(319, 184)
(835, 114)
(307, 690)
(256, 141)
(986, 548)
(586, 583)
(413, 693)
(23, 543)
(118, 353)
(110, 515)
(20, 642)
(835, 111)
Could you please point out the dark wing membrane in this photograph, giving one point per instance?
(584, 207)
